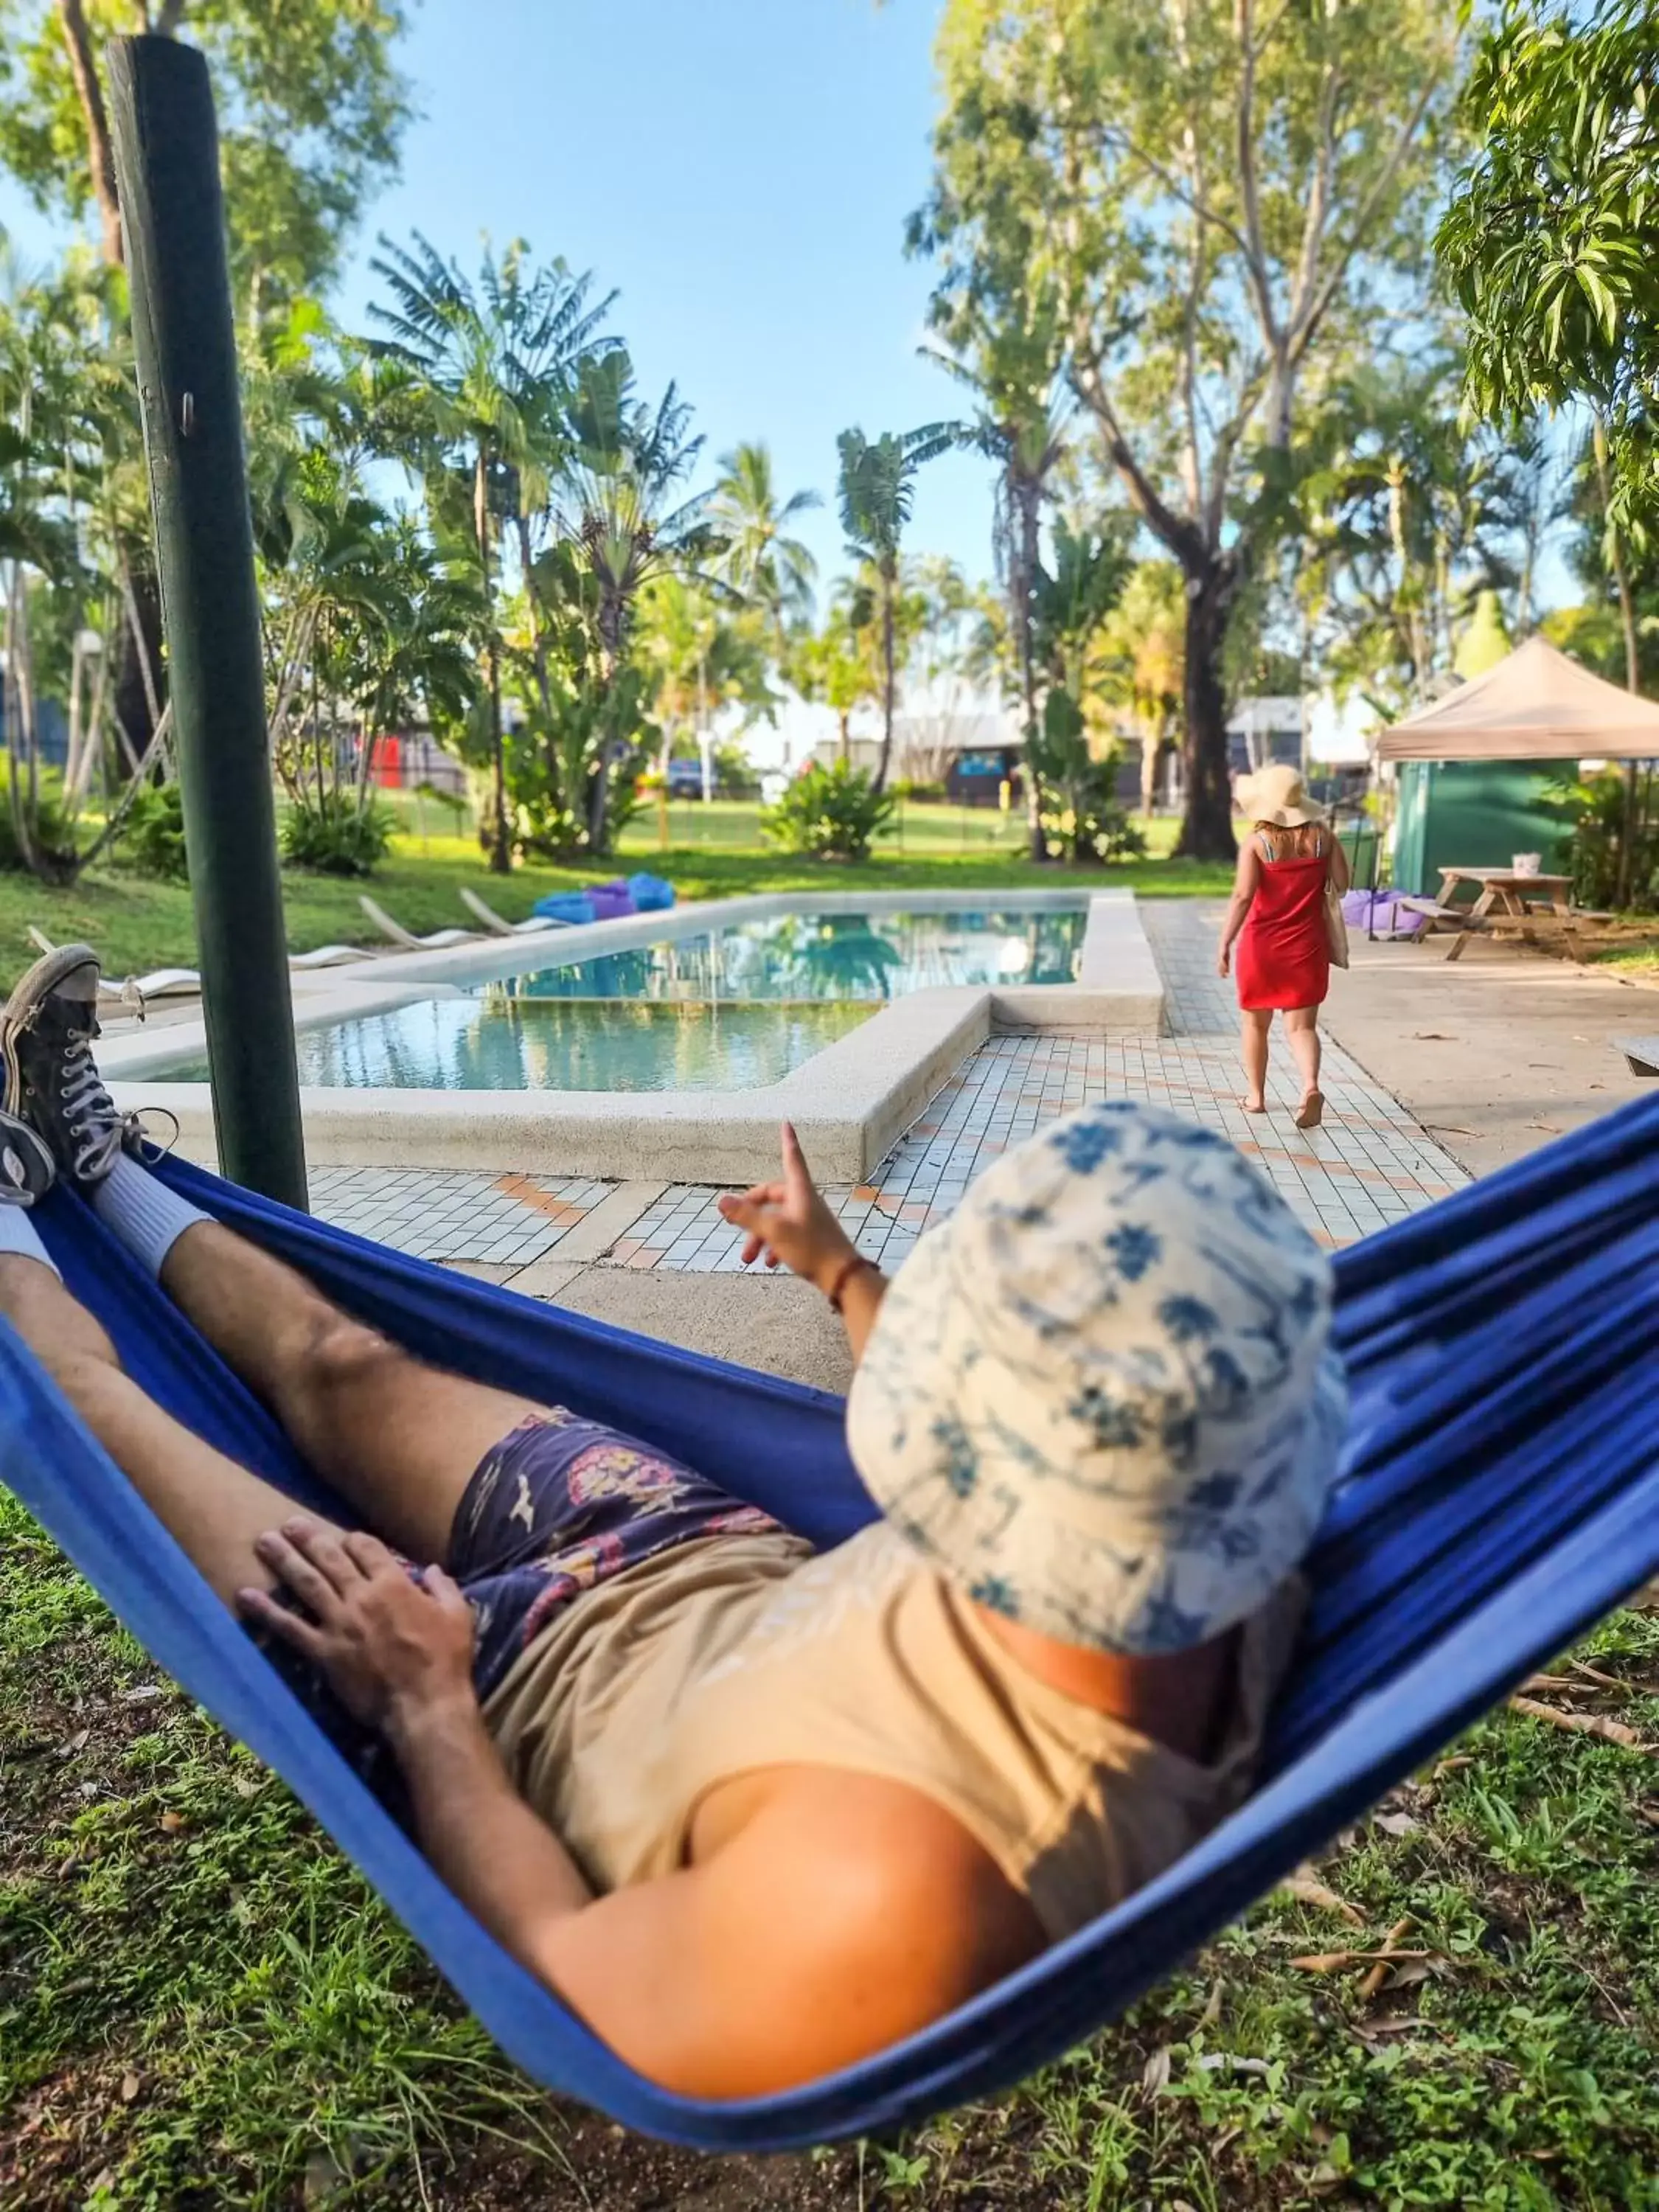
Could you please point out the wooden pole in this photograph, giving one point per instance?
(167, 164)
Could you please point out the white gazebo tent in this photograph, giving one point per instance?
(1536, 704)
(1475, 786)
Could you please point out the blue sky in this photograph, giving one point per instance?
(740, 170)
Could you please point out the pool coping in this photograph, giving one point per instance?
(850, 1102)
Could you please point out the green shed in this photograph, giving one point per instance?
(1475, 814)
(1476, 766)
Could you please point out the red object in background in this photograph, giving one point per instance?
(388, 769)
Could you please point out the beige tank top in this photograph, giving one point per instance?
(744, 1652)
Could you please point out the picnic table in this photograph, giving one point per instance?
(1510, 903)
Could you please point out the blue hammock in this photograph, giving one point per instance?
(1500, 1491)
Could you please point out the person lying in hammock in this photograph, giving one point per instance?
(752, 1813)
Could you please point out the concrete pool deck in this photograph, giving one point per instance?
(851, 1103)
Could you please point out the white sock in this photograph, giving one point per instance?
(147, 1217)
(20, 1239)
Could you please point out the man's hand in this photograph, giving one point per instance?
(789, 1222)
(394, 1648)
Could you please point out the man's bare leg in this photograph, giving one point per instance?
(399, 1439)
(215, 1508)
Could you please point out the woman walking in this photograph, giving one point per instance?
(1277, 914)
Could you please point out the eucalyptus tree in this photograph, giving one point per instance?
(311, 109)
(1216, 198)
(876, 490)
(499, 362)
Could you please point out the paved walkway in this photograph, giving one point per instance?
(1370, 1164)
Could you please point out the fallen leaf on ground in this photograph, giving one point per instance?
(1432, 1037)
(1335, 1962)
(1306, 1887)
(171, 1822)
(1648, 1812)
(145, 1694)
(1397, 1824)
(1223, 2062)
(1379, 1973)
(1453, 1765)
(1606, 1682)
(1212, 2012)
(1582, 1723)
(1393, 2024)
(128, 2087)
(77, 1743)
(1155, 2074)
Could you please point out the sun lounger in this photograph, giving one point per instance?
(537, 925)
(132, 990)
(434, 942)
(329, 955)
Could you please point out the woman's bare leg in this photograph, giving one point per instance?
(214, 1508)
(1254, 1039)
(1301, 1028)
(399, 1439)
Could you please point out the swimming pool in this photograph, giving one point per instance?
(729, 1009)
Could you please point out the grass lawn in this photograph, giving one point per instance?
(135, 924)
(201, 2005)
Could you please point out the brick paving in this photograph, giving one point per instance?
(1371, 1162)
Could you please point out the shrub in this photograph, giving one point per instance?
(152, 841)
(1083, 818)
(337, 838)
(832, 813)
(1596, 810)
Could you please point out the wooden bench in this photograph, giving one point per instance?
(1437, 917)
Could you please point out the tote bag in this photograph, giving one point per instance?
(1336, 928)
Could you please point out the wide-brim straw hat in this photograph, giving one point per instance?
(1277, 795)
(1102, 1397)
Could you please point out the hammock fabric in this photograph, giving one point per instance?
(1500, 1491)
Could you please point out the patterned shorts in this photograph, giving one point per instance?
(556, 1509)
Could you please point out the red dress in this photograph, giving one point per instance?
(1283, 956)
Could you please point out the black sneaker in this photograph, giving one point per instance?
(52, 1082)
(27, 1171)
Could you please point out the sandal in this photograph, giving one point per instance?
(1311, 1112)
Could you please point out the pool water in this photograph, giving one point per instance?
(798, 957)
(727, 1010)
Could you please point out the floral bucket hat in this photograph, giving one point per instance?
(1103, 1396)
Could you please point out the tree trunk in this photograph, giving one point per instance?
(1206, 829)
(1632, 654)
(501, 849)
(100, 155)
(139, 674)
(889, 677)
(845, 719)
(1023, 584)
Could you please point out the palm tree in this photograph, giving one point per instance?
(614, 499)
(877, 490)
(758, 558)
(497, 362)
(1019, 378)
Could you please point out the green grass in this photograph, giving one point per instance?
(136, 925)
(201, 2005)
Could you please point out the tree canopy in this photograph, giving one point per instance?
(1211, 201)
